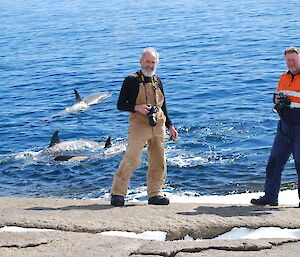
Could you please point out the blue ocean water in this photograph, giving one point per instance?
(219, 62)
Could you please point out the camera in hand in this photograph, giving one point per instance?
(284, 101)
(152, 116)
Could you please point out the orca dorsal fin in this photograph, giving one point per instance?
(54, 139)
(108, 142)
(78, 97)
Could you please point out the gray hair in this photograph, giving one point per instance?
(151, 50)
(291, 49)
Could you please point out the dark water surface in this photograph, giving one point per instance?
(220, 62)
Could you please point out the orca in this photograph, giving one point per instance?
(83, 103)
(92, 99)
(56, 142)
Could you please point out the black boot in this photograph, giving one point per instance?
(263, 201)
(117, 200)
(158, 200)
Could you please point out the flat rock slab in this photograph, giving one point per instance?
(76, 224)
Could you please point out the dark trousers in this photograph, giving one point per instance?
(286, 142)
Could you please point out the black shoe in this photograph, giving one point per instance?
(158, 200)
(117, 200)
(263, 201)
(299, 205)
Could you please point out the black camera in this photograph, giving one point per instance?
(152, 116)
(284, 101)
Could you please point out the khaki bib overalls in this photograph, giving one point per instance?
(140, 133)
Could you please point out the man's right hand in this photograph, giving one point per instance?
(142, 108)
(277, 99)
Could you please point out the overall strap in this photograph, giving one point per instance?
(141, 80)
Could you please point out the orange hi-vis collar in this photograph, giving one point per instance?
(289, 85)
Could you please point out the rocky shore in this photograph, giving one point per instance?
(76, 225)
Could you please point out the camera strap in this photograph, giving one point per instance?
(155, 95)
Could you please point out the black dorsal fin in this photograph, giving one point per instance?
(108, 142)
(78, 97)
(54, 139)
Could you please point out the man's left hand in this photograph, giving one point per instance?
(173, 133)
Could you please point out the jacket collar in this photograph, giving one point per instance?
(289, 72)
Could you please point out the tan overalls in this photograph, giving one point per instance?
(140, 133)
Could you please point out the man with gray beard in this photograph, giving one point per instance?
(142, 95)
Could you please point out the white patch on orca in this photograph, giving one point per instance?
(83, 103)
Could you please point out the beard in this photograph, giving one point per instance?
(148, 72)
